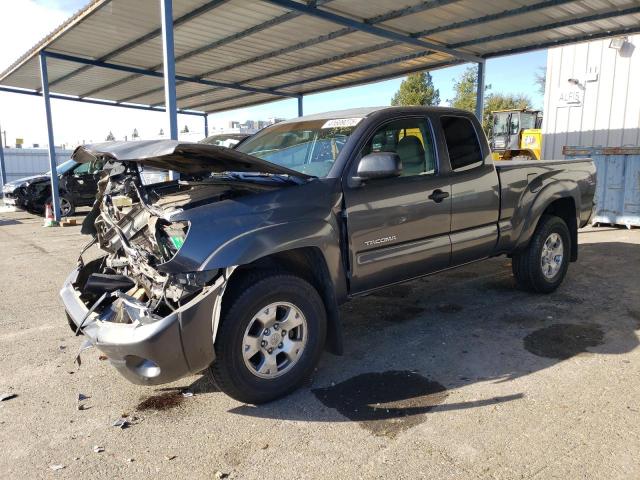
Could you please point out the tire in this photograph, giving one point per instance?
(532, 272)
(66, 202)
(249, 380)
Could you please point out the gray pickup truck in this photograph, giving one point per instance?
(238, 268)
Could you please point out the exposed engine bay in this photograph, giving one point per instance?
(133, 224)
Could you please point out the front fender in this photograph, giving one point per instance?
(269, 239)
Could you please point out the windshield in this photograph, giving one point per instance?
(64, 167)
(528, 120)
(310, 147)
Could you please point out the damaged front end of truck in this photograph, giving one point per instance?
(148, 298)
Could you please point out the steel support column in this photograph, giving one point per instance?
(55, 195)
(169, 66)
(3, 171)
(480, 91)
(300, 109)
(206, 125)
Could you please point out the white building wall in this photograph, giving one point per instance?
(25, 162)
(603, 107)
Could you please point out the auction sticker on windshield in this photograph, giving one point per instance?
(341, 122)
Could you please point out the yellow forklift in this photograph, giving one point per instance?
(516, 134)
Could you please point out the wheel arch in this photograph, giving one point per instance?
(560, 203)
(308, 263)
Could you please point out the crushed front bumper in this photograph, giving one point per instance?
(153, 353)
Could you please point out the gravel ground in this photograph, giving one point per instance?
(458, 375)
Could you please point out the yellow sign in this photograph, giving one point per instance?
(19, 141)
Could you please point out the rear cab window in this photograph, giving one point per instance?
(462, 142)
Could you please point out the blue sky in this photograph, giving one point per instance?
(75, 123)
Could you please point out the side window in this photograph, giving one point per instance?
(462, 142)
(411, 140)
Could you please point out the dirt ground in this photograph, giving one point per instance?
(458, 375)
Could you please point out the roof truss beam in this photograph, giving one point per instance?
(491, 18)
(150, 73)
(144, 38)
(551, 26)
(95, 101)
(371, 29)
(427, 5)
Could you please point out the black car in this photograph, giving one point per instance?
(78, 183)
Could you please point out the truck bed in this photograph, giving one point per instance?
(523, 183)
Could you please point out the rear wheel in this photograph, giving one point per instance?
(270, 338)
(542, 266)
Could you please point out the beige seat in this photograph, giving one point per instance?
(411, 152)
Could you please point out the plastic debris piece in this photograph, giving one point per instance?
(62, 347)
(129, 460)
(7, 396)
(82, 396)
(86, 344)
(187, 393)
(220, 474)
(98, 449)
(56, 467)
(122, 422)
(170, 457)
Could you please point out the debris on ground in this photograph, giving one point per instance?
(220, 474)
(86, 344)
(187, 393)
(125, 421)
(62, 347)
(102, 357)
(7, 396)
(129, 460)
(98, 449)
(170, 457)
(56, 467)
(81, 398)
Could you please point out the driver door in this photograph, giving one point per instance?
(397, 228)
(83, 183)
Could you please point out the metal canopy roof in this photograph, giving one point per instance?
(235, 53)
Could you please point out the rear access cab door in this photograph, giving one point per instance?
(398, 227)
(475, 193)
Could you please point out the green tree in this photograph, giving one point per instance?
(416, 89)
(500, 101)
(465, 90)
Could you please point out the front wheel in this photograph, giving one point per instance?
(269, 339)
(67, 208)
(542, 266)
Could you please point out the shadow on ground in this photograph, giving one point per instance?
(408, 346)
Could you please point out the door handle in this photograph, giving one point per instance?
(438, 195)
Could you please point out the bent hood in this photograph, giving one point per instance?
(182, 157)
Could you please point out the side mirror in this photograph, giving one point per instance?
(378, 165)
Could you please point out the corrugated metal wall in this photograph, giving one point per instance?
(592, 96)
(24, 162)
